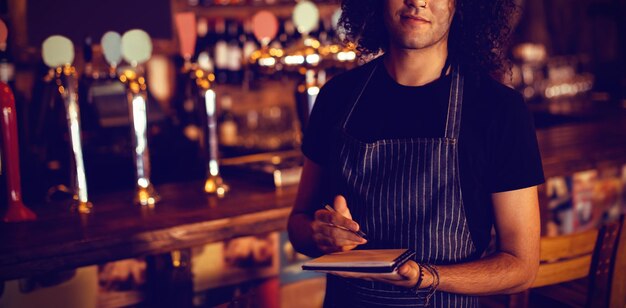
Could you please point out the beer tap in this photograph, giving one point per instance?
(306, 52)
(307, 58)
(306, 94)
(136, 50)
(111, 43)
(265, 29)
(214, 184)
(16, 210)
(58, 54)
(203, 77)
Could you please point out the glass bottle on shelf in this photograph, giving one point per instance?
(235, 54)
(249, 46)
(227, 124)
(86, 80)
(220, 52)
(204, 36)
(292, 35)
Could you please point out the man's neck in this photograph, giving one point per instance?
(416, 67)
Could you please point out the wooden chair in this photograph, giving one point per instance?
(597, 255)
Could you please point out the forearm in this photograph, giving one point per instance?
(301, 235)
(499, 273)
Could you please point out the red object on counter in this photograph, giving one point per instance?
(16, 210)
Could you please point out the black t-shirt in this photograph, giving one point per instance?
(497, 144)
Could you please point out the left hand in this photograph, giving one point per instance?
(405, 276)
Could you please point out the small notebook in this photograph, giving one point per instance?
(361, 261)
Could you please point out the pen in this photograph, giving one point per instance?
(359, 233)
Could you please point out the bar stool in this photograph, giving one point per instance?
(591, 263)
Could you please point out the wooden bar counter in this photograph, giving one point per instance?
(118, 229)
(186, 217)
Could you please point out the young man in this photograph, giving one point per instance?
(421, 149)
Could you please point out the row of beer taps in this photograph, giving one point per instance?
(126, 55)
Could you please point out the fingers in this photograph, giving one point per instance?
(391, 278)
(409, 270)
(341, 206)
(353, 275)
(336, 219)
(331, 229)
(336, 236)
(405, 276)
(337, 233)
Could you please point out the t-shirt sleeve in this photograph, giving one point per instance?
(516, 160)
(317, 135)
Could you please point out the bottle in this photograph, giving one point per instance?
(220, 53)
(227, 125)
(88, 114)
(250, 43)
(290, 35)
(324, 32)
(88, 57)
(203, 41)
(235, 54)
(292, 32)
(249, 46)
(7, 69)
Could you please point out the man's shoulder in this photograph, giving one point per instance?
(491, 93)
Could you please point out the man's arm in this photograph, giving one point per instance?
(314, 231)
(511, 269)
(300, 219)
(514, 265)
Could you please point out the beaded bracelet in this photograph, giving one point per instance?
(433, 287)
(420, 278)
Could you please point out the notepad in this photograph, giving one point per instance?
(361, 261)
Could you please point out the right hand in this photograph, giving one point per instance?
(328, 235)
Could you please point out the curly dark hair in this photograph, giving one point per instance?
(478, 35)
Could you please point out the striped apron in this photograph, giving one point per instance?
(404, 193)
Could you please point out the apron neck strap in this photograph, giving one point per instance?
(445, 68)
(356, 96)
(453, 119)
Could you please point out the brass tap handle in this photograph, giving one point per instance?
(214, 183)
(68, 87)
(145, 194)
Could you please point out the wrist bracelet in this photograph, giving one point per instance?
(420, 278)
(435, 284)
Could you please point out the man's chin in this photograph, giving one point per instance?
(413, 45)
(416, 43)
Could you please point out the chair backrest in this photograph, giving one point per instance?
(565, 258)
(597, 254)
(603, 265)
(618, 288)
